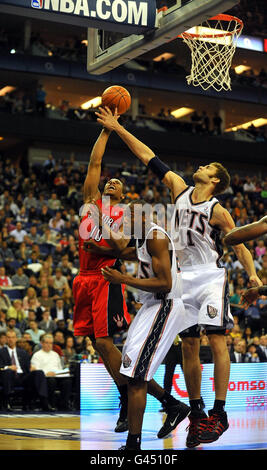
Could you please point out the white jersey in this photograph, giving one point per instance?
(196, 241)
(145, 268)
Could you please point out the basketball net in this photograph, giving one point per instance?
(212, 46)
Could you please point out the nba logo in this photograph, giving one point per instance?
(37, 4)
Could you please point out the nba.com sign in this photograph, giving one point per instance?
(124, 15)
(118, 10)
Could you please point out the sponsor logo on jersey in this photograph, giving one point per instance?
(212, 311)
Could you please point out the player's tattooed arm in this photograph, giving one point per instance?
(128, 253)
(90, 188)
(223, 220)
(247, 232)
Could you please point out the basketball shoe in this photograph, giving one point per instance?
(122, 423)
(197, 424)
(217, 424)
(175, 414)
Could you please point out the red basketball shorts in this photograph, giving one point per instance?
(100, 309)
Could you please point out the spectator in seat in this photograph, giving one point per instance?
(3, 339)
(54, 203)
(205, 353)
(20, 279)
(56, 223)
(25, 324)
(3, 323)
(18, 233)
(5, 302)
(11, 326)
(47, 324)
(238, 355)
(16, 311)
(31, 295)
(60, 311)
(262, 348)
(50, 363)
(252, 355)
(34, 331)
(17, 371)
(260, 249)
(45, 300)
(30, 201)
(60, 282)
(5, 280)
(262, 273)
(69, 351)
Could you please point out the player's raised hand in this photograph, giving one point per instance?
(106, 118)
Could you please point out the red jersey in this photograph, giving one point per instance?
(112, 215)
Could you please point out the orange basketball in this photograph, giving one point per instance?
(116, 97)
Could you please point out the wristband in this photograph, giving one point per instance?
(262, 290)
(158, 167)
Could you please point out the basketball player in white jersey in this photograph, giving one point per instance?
(158, 321)
(198, 220)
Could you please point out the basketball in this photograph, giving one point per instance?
(116, 97)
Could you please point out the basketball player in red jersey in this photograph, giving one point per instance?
(100, 308)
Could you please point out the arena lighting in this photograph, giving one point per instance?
(6, 89)
(163, 57)
(256, 123)
(181, 112)
(241, 68)
(93, 103)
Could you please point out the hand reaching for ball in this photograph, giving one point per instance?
(107, 119)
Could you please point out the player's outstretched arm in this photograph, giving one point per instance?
(174, 182)
(91, 183)
(224, 221)
(128, 253)
(247, 232)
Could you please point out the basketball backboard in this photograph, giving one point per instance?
(104, 55)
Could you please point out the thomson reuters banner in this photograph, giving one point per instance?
(247, 387)
(117, 15)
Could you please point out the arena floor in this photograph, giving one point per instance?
(94, 431)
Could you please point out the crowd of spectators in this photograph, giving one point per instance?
(35, 103)
(254, 16)
(39, 253)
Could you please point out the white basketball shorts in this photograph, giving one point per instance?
(150, 337)
(206, 296)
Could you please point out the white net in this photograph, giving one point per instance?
(212, 46)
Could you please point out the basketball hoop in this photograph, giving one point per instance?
(212, 46)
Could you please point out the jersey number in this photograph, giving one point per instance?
(196, 223)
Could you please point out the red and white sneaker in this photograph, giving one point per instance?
(197, 424)
(216, 425)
